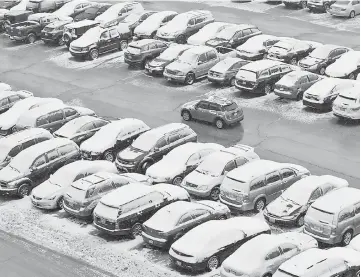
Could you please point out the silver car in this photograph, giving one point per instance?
(344, 8)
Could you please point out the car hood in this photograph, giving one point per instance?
(309, 61)
(336, 70)
(84, 41)
(216, 42)
(281, 207)
(146, 29)
(180, 66)
(278, 51)
(200, 179)
(198, 40)
(157, 62)
(164, 169)
(46, 189)
(7, 174)
(7, 121)
(169, 30)
(97, 144)
(131, 154)
(190, 104)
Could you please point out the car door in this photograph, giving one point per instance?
(274, 186)
(302, 84)
(55, 160)
(288, 177)
(191, 28)
(357, 219)
(213, 111)
(70, 114)
(161, 148)
(39, 170)
(86, 131)
(273, 260)
(4, 104)
(201, 111)
(56, 120)
(114, 39)
(202, 66)
(288, 250)
(193, 161)
(333, 56)
(185, 223)
(105, 42)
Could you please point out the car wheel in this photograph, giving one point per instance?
(24, 190)
(60, 203)
(31, 38)
(94, 54)
(186, 116)
(352, 14)
(260, 205)
(189, 79)
(109, 156)
(212, 263)
(145, 166)
(294, 61)
(177, 180)
(346, 238)
(232, 82)
(181, 39)
(267, 89)
(61, 42)
(303, 4)
(352, 76)
(300, 221)
(322, 70)
(214, 194)
(136, 230)
(219, 123)
(123, 45)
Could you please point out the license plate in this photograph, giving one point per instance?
(150, 241)
(272, 220)
(169, 79)
(179, 263)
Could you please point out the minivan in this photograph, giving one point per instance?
(335, 218)
(41, 6)
(151, 146)
(35, 164)
(257, 183)
(12, 145)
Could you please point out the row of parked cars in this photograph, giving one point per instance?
(134, 180)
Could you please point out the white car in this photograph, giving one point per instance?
(112, 138)
(21, 6)
(206, 246)
(180, 161)
(263, 255)
(355, 243)
(71, 7)
(4, 86)
(347, 103)
(256, 48)
(206, 179)
(291, 206)
(347, 66)
(207, 32)
(321, 95)
(49, 194)
(118, 12)
(148, 28)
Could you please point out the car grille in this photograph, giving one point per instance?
(214, 74)
(37, 198)
(243, 83)
(71, 205)
(181, 254)
(311, 97)
(152, 232)
(76, 49)
(102, 222)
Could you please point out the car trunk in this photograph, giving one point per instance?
(319, 222)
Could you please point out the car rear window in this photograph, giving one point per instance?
(133, 50)
(321, 215)
(230, 107)
(247, 75)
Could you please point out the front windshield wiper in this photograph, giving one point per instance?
(17, 170)
(294, 202)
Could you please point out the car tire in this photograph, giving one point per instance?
(212, 263)
(94, 54)
(293, 61)
(267, 89)
(260, 205)
(177, 180)
(136, 230)
(60, 203)
(190, 78)
(232, 81)
(60, 41)
(352, 14)
(145, 165)
(300, 220)
(123, 45)
(352, 76)
(31, 38)
(267, 275)
(186, 115)
(24, 190)
(322, 71)
(303, 4)
(219, 123)
(346, 238)
(181, 39)
(109, 156)
(214, 195)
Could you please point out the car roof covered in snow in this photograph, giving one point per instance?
(338, 199)
(77, 167)
(26, 134)
(94, 179)
(82, 23)
(351, 256)
(143, 42)
(159, 132)
(198, 50)
(220, 100)
(253, 169)
(260, 65)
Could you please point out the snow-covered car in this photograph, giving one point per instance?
(263, 255)
(12, 145)
(9, 119)
(135, 19)
(35, 164)
(49, 194)
(206, 246)
(50, 116)
(256, 48)
(294, 84)
(53, 32)
(21, 6)
(73, 8)
(169, 55)
(81, 128)
(148, 28)
(4, 86)
(123, 211)
(207, 32)
(225, 71)
(355, 243)
(206, 179)
(321, 57)
(347, 103)
(347, 66)
(75, 30)
(248, 187)
(8, 98)
(345, 8)
(321, 95)
(91, 12)
(8, 4)
(291, 206)
(179, 162)
(182, 26)
(112, 138)
(234, 35)
(118, 12)
(173, 221)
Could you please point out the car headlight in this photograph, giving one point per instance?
(203, 188)
(11, 184)
(85, 49)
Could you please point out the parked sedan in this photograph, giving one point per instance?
(263, 255)
(295, 83)
(225, 71)
(345, 8)
(157, 65)
(346, 67)
(292, 205)
(256, 48)
(81, 128)
(179, 162)
(206, 246)
(135, 19)
(322, 57)
(207, 32)
(8, 98)
(173, 221)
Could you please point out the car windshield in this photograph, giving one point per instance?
(91, 10)
(320, 215)
(226, 34)
(230, 107)
(288, 80)
(236, 185)
(164, 219)
(133, 50)
(320, 53)
(170, 54)
(178, 22)
(247, 75)
(145, 142)
(212, 167)
(188, 57)
(297, 195)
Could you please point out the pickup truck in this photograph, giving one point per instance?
(13, 17)
(30, 30)
(195, 63)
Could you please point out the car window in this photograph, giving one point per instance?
(4, 101)
(275, 70)
(214, 107)
(185, 218)
(14, 98)
(288, 247)
(230, 166)
(273, 178)
(39, 161)
(66, 149)
(79, 176)
(56, 116)
(257, 184)
(13, 152)
(162, 143)
(212, 55)
(287, 174)
(129, 8)
(285, 68)
(77, 7)
(28, 143)
(333, 54)
(69, 112)
(123, 10)
(41, 139)
(113, 33)
(264, 73)
(203, 105)
(357, 208)
(273, 254)
(303, 80)
(355, 2)
(346, 214)
(52, 155)
(202, 58)
(120, 182)
(200, 213)
(99, 123)
(173, 138)
(240, 161)
(193, 159)
(105, 35)
(87, 127)
(200, 20)
(317, 193)
(247, 32)
(191, 22)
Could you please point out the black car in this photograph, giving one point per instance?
(53, 32)
(319, 5)
(322, 57)
(35, 164)
(92, 12)
(151, 146)
(134, 19)
(100, 40)
(234, 36)
(75, 30)
(13, 17)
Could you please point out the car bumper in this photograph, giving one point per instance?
(313, 69)
(250, 89)
(174, 78)
(233, 120)
(8, 190)
(131, 61)
(201, 266)
(47, 39)
(316, 105)
(255, 57)
(155, 70)
(317, 6)
(279, 220)
(201, 194)
(340, 13)
(347, 114)
(79, 54)
(238, 207)
(152, 241)
(217, 80)
(285, 94)
(115, 232)
(78, 213)
(44, 204)
(329, 240)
